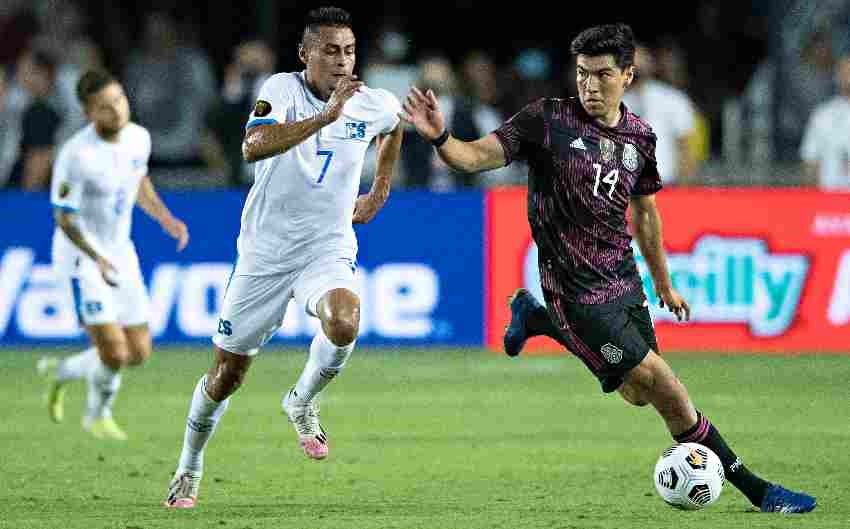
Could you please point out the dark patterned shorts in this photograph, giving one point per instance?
(610, 338)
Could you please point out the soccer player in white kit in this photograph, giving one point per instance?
(99, 174)
(308, 133)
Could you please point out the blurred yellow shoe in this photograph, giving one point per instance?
(55, 391)
(104, 428)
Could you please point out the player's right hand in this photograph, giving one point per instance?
(107, 271)
(346, 87)
(423, 112)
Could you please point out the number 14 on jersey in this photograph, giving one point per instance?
(611, 179)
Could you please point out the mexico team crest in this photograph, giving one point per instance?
(630, 157)
(606, 149)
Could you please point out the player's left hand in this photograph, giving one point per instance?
(177, 229)
(675, 303)
(365, 209)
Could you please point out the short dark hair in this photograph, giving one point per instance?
(325, 16)
(609, 39)
(91, 83)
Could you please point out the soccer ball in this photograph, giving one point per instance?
(689, 476)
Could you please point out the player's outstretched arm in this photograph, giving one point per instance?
(423, 112)
(389, 148)
(646, 224)
(150, 201)
(69, 224)
(265, 141)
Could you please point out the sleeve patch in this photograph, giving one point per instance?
(262, 108)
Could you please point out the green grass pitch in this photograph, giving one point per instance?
(423, 438)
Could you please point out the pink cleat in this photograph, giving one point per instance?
(304, 417)
(183, 491)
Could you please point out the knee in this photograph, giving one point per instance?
(341, 330)
(139, 354)
(339, 311)
(114, 354)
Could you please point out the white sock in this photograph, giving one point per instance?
(204, 414)
(103, 388)
(77, 366)
(325, 362)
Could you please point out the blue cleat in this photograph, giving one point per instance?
(522, 303)
(780, 499)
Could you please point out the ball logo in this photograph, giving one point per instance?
(697, 459)
(612, 353)
(668, 478)
(700, 494)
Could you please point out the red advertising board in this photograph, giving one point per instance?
(765, 270)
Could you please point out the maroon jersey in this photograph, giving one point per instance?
(581, 176)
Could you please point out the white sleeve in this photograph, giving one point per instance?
(66, 187)
(272, 104)
(392, 108)
(809, 145)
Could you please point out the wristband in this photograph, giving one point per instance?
(441, 139)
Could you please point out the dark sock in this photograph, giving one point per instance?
(540, 324)
(704, 433)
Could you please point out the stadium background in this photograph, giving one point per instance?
(760, 251)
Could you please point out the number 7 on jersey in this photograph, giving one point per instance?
(330, 155)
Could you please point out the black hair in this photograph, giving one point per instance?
(609, 39)
(91, 83)
(325, 16)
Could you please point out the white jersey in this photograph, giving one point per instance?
(302, 201)
(99, 180)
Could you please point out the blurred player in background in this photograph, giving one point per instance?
(590, 159)
(99, 174)
(308, 133)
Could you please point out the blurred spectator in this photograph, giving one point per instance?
(387, 66)
(826, 144)
(482, 89)
(671, 115)
(804, 80)
(36, 74)
(18, 25)
(64, 35)
(421, 163)
(253, 62)
(672, 68)
(671, 64)
(171, 86)
(9, 133)
(530, 79)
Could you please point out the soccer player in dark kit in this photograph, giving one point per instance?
(589, 160)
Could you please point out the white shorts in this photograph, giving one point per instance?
(254, 306)
(98, 303)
